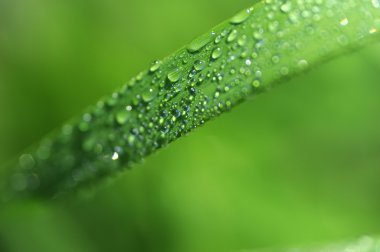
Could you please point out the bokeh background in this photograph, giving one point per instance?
(299, 165)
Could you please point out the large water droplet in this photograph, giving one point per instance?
(174, 75)
(115, 156)
(122, 116)
(149, 94)
(200, 42)
(155, 66)
(199, 65)
(240, 17)
(216, 53)
(232, 36)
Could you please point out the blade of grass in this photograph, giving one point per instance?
(248, 54)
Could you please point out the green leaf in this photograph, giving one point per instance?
(248, 54)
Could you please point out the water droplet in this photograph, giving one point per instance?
(242, 40)
(232, 36)
(216, 53)
(122, 116)
(115, 156)
(155, 66)
(248, 62)
(373, 30)
(286, 7)
(344, 22)
(284, 71)
(241, 16)
(273, 27)
(26, 161)
(200, 42)
(256, 83)
(199, 65)
(275, 59)
(303, 64)
(218, 39)
(174, 75)
(376, 3)
(149, 94)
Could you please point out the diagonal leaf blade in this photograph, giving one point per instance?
(248, 54)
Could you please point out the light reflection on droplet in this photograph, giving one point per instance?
(115, 156)
(344, 22)
(373, 30)
(376, 3)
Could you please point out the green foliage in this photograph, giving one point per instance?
(244, 56)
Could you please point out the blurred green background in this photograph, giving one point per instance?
(298, 165)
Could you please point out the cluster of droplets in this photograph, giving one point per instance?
(212, 74)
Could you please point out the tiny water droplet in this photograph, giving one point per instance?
(241, 16)
(149, 94)
(248, 62)
(242, 40)
(275, 59)
(303, 64)
(174, 75)
(199, 65)
(216, 53)
(373, 30)
(344, 22)
(115, 156)
(26, 161)
(284, 71)
(286, 7)
(155, 66)
(256, 83)
(218, 39)
(122, 116)
(232, 36)
(376, 3)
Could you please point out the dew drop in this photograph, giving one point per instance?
(241, 16)
(199, 65)
(256, 83)
(232, 36)
(248, 62)
(344, 22)
(284, 71)
(218, 39)
(174, 75)
(242, 40)
(149, 94)
(216, 53)
(275, 59)
(376, 3)
(26, 161)
(286, 7)
(115, 156)
(200, 42)
(303, 64)
(155, 66)
(372, 30)
(122, 116)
